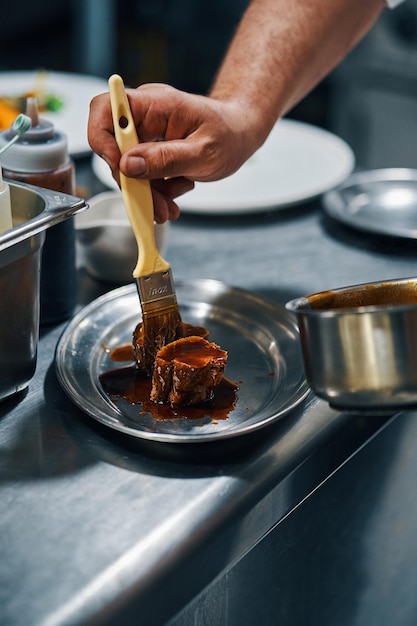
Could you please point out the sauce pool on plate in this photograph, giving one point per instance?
(134, 386)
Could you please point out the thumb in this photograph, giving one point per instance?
(162, 159)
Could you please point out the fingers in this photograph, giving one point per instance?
(100, 131)
(164, 192)
(164, 207)
(173, 187)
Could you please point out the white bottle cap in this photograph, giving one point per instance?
(40, 149)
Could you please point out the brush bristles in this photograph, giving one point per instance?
(159, 328)
(162, 322)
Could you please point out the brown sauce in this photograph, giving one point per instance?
(194, 351)
(122, 353)
(385, 294)
(134, 386)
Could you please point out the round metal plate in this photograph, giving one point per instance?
(262, 340)
(382, 201)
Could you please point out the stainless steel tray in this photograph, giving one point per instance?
(262, 340)
(381, 201)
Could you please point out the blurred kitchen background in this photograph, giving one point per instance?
(370, 100)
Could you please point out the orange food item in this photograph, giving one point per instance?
(8, 114)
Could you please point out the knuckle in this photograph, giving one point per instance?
(170, 159)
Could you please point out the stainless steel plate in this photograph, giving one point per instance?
(382, 201)
(262, 340)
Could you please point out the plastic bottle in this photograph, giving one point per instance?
(40, 157)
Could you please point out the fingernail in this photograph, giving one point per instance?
(136, 166)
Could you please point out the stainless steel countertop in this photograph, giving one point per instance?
(97, 528)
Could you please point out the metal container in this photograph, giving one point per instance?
(360, 344)
(381, 202)
(34, 210)
(106, 245)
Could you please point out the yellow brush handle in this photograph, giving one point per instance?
(137, 195)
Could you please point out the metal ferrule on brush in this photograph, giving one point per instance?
(156, 292)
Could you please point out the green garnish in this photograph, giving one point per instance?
(53, 103)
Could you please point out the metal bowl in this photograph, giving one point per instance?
(381, 201)
(360, 344)
(106, 246)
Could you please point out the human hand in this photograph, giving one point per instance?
(182, 138)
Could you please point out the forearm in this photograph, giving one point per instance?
(283, 48)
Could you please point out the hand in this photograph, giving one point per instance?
(182, 138)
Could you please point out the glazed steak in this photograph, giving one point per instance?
(187, 371)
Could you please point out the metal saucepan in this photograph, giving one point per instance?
(360, 344)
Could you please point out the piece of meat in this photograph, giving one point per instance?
(187, 371)
(139, 355)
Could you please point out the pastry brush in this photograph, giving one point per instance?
(161, 318)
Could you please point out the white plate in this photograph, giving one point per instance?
(75, 90)
(297, 163)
